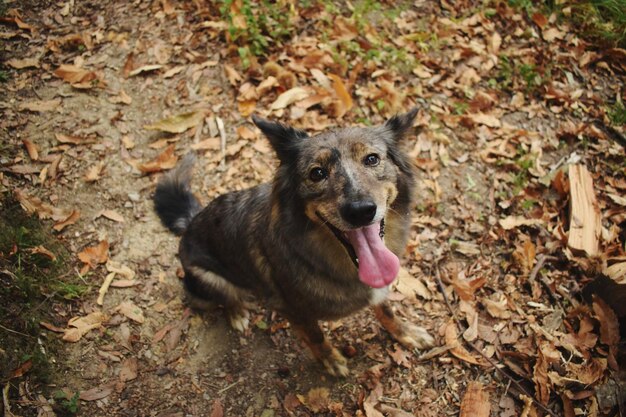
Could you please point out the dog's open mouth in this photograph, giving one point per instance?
(377, 265)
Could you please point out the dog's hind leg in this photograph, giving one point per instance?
(211, 288)
(410, 335)
(322, 350)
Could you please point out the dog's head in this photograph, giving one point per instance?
(348, 180)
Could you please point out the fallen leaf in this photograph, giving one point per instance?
(112, 215)
(165, 160)
(40, 105)
(411, 286)
(401, 357)
(74, 140)
(451, 339)
(94, 255)
(22, 369)
(475, 402)
(31, 149)
(216, 409)
(78, 77)
(23, 63)
(609, 328)
(342, 93)
(316, 400)
(97, 393)
(484, 119)
(178, 123)
(130, 310)
(121, 98)
(289, 97)
(129, 369)
(94, 173)
(40, 250)
(144, 68)
(69, 220)
(512, 222)
(83, 325)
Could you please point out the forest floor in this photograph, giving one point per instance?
(100, 98)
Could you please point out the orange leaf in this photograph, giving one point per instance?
(475, 402)
(342, 93)
(451, 339)
(94, 255)
(165, 160)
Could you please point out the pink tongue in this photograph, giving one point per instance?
(378, 266)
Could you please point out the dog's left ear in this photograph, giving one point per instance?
(400, 124)
(284, 139)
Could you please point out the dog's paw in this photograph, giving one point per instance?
(414, 337)
(239, 319)
(335, 363)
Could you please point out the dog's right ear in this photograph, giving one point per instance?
(284, 139)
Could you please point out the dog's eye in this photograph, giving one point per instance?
(318, 174)
(371, 160)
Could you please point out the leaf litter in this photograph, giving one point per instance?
(513, 153)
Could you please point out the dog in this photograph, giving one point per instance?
(320, 242)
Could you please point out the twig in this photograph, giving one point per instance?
(512, 380)
(16, 332)
(220, 127)
(223, 390)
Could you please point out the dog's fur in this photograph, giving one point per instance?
(281, 241)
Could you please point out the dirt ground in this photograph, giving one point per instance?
(486, 151)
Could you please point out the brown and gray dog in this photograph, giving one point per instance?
(320, 242)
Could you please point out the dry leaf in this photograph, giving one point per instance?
(165, 160)
(342, 94)
(177, 124)
(97, 393)
(121, 98)
(130, 310)
(144, 68)
(216, 409)
(40, 250)
(94, 173)
(451, 339)
(23, 63)
(94, 255)
(316, 400)
(74, 140)
(69, 220)
(40, 105)
(289, 97)
(79, 77)
(129, 369)
(83, 325)
(31, 148)
(475, 402)
(410, 286)
(512, 222)
(112, 215)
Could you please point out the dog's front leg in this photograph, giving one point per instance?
(322, 350)
(410, 335)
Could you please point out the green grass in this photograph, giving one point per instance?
(33, 283)
(601, 21)
(617, 114)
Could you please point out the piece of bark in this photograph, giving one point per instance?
(475, 401)
(584, 225)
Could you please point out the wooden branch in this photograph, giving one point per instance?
(584, 225)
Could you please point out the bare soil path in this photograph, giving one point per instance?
(507, 102)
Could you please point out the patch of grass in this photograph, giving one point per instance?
(617, 113)
(513, 74)
(4, 76)
(602, 21)
(34, 276)
(256, 25)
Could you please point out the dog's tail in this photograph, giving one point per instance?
(173, 200)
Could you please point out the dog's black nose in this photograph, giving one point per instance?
(358, 213)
